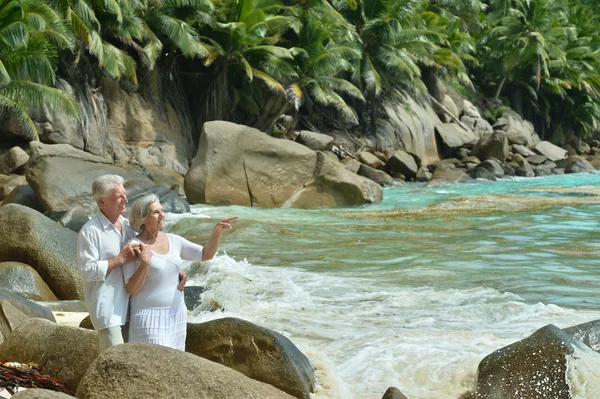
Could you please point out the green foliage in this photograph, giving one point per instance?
(31, 34)
(493, 113)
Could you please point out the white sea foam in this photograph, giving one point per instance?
(362, 338)
(583, 374)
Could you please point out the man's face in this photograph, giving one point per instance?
(115, 202)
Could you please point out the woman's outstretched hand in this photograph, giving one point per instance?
(225, 224)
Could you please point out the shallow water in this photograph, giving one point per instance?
(415, 291)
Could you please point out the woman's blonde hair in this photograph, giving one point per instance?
(140, 210)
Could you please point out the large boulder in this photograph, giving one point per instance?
(479, 172)
(518, 130)
(533, 368)
(239, 165)
(550, 151)
(453, 136)
(29, 237)
(63, 350)
(370, 160)
(26, 306)
(393, 393)
(408, 126)
(60, 190)
(24, 280)
(521, 149)
(256, 352)
(576, 164)
(479, 126)
(494, 145)
(137, 370)
(494, 166)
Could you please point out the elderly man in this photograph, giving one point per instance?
(102, 248)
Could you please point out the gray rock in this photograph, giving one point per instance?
(550, 151)
(481, 173)
(471, 159)
(537, 159)
(192, 295)
(423, 174)
(23, 195)
(532, 368)
(478, 125)
(65, 351)
(378, 176)
(493, 166)
(168, 373)
(463, 153)
(351, 164)
(518, 130)
(404, 163)
(453, 136)
(13, 160)
(28, 307)
(525, 170)
(10, 319)
(371, 160)
(494, 145)
(447, 175)
(524, 151)
(393, 393)
(22, 279)
(577, 164)
(254, 351)
(29, 237)
(314, 141)
(508, 170)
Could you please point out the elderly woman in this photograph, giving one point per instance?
(157, 311)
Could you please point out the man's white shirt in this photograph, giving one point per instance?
(106, 297)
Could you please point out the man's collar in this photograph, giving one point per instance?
(105, 222)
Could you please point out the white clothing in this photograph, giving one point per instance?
(108, 337)
(105, 295)
(158, 312)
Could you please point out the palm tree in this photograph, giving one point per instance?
(247, 68)
(31, 34)
(324, 53)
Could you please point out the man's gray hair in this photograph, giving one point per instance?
(104, 184)
(140, 210)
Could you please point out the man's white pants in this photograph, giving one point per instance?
(112, 336)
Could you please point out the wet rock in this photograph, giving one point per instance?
(22, 279)
(588, 333)
(65, 351)
(29, 237)
(481, 173)
(447, 175)
(168, 373)
(256, 352)
(192, 295)
(378, 176)
(393, 393)
(508, 170)
(533, 368)
(423, 174)
(577, 164)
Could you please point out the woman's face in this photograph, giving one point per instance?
(156, 217)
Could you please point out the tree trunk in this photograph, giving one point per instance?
(500, 88)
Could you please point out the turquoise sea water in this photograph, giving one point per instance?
(412, 292)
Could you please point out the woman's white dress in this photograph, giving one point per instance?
(157, 312)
